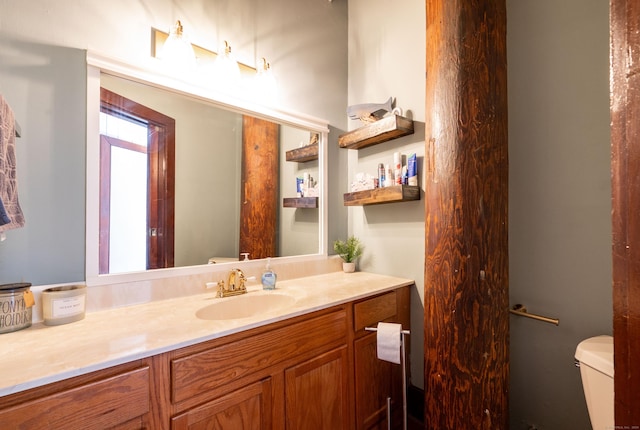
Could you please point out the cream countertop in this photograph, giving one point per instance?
(41, 354)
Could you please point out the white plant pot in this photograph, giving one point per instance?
(348, 267)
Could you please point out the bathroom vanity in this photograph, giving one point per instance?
(310, 364)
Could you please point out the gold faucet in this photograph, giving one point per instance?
(235, 284)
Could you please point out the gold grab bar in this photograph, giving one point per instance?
(522, 311)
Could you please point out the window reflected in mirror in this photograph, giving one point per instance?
(137, 159)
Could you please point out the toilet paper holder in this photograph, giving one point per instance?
(403, 360)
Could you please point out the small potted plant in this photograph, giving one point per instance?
(349, 251)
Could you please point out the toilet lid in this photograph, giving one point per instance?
(597, 352)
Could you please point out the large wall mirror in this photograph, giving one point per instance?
(179, 178)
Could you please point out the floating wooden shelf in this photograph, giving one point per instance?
(300, 202)
(387, 128)
(378, 196)
(305, 153)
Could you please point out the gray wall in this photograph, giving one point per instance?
(43, 77)
(387, 58)
(46, 87)
(298, 232)
(559, 201)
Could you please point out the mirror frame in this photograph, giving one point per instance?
(151, 74)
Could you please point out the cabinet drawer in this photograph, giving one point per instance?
(102, 404)
(369, 312)
(245, 408)
(210, 369)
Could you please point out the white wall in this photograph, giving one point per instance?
(559, 201)
(43, 77)
(387, 58)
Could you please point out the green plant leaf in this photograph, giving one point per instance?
(349, 250)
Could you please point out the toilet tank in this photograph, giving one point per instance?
(595, 356)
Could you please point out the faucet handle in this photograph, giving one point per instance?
(217, 285)
(220, 292)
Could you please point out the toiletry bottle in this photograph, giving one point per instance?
(299, 186)
(305, 183)
(380, 175)
(388, 178)
(269, 277)
(397, 165)
(412, 169)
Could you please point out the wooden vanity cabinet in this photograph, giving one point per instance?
(292, 374)
(316, 371)
(377, 380)
(115, 398)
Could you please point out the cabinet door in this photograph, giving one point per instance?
(317, 393)
(248, 408)
(376, 381)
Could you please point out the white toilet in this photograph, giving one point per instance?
(595, 356)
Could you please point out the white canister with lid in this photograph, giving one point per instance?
(62, 305)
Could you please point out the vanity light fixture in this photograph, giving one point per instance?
(265, 85)
(177, 50)
(226, 71)
(220, 70)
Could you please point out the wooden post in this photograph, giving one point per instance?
(625, 178)
(466, 196)
(260, 188)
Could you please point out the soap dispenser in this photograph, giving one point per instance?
(269, 277)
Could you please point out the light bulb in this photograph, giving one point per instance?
(226, 72)
(177, 51)
(265, 86)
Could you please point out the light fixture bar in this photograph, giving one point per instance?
(157, 41)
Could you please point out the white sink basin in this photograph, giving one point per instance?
(244, 306)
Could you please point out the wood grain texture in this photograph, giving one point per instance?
(374, 379)
(378, 196)
(466, 197)
(370, 312)
(383, 130)
(371, 403)
(248, 408)
(220, 366)
(317, 393)
(303, 154)
(119, 400)
(625, 168)
(260, 187)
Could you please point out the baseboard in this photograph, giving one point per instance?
(415, 402)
